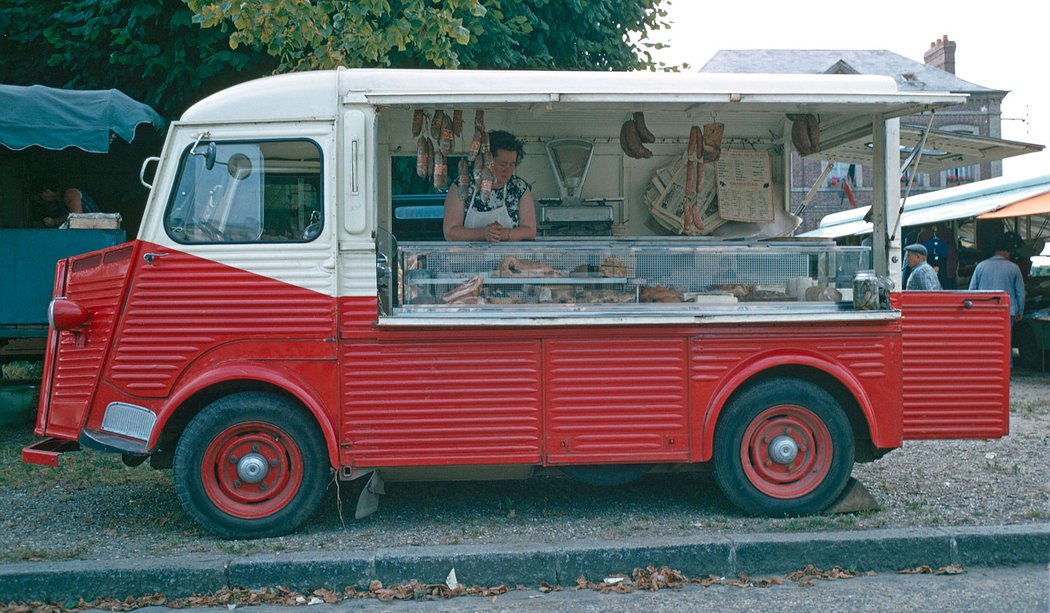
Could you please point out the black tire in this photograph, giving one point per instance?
(251, 465)
(1029, 356)
(783, 447)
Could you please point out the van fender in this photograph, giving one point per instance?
(749, 369)
(264, 372)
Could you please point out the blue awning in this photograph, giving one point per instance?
(60, 118)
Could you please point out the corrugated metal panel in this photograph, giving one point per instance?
(308, 265)
(616, 400)
(419, 402)
(95, 281)
(956, 365)
(181, 306)
(867, 351)
(357, 316)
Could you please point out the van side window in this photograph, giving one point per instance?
(247, 192)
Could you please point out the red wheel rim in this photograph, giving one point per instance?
(252, 470)
(766, 458)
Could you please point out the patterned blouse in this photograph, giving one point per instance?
(510, 195)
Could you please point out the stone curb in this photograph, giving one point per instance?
(490, 565)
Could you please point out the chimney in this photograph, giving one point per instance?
(941, 55)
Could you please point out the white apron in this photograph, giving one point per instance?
(498, 213)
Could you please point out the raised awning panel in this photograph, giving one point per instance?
(942, 151)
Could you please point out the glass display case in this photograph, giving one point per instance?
(579, 274)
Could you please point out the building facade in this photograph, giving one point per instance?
(848, 185)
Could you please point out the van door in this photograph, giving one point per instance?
(240, 250)
(956, 364)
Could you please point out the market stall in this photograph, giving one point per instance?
(44, 130)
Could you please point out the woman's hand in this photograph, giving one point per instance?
(495, 233)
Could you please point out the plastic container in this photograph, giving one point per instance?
(17, 403)
(865, 291)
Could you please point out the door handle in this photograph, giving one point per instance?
(149, 257)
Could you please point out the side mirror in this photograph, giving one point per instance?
(209, 155)
(313, 230)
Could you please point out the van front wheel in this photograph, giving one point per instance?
(783, 447)
(250, 465)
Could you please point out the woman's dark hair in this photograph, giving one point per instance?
(45, 183)
(505, 141)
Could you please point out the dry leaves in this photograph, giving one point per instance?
(951, 569)
(649, 578)
(806, 576)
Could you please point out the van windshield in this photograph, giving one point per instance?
(245, 192)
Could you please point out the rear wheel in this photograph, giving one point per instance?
(783, 447)
(251, 465)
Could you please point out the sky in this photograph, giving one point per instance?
(1000, 44)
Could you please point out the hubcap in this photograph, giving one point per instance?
(783, 450)
(786, 451)
(252, 468)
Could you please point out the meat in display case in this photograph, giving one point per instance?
(692, 273)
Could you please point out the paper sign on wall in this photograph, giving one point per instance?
(745, 186)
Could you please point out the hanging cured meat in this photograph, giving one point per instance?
(422, 161)
(643, 132)
(440, 170)
(713, 133)
(805, 133)
(631, 142)
(463, 180)
(690, 179)
(457, 123)
(446, 139)
(418, 117)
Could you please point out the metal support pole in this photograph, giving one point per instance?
(886, 195)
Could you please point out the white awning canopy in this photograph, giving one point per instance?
(942, 151)
(943, 205)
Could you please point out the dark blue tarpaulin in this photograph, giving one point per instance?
(59, 118)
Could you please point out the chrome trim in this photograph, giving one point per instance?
(129, 420)
(51, 311)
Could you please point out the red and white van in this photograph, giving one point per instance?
(269, 326)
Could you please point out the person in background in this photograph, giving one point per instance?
(59, 202)
(941, 253)
(510, 213)
(999, 273)
(921, 275)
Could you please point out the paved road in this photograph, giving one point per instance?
(1014, 589)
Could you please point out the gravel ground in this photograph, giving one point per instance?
(93, 507)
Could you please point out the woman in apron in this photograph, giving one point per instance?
(509, 214)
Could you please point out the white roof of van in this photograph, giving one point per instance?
(319, 94)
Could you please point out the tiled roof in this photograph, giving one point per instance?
(909, 74)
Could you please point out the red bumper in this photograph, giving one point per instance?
(46, 451)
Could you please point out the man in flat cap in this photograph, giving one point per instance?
(921, 275)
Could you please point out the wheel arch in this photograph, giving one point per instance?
(195, 394)
(839, 382)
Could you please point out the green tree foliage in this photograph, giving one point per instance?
(563, 34)
(149, 49)
(157, 51)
